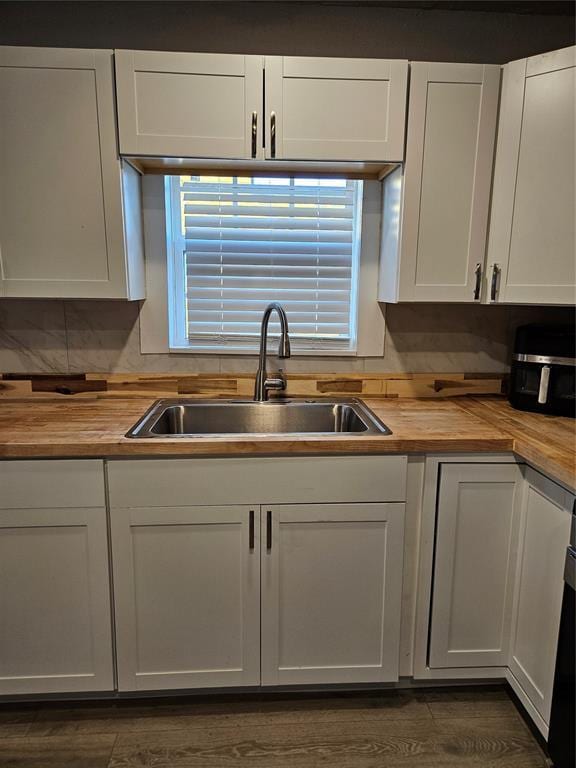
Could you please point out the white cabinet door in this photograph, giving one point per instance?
(544, 536)
(189, 104)
(532, 239)
(61, 184)
(55, 620)
(449, 155)
(476, 537)
(335, 109)
(187, 589)
(331, 592)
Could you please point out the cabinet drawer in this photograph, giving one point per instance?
(158, 482)
(42, 484)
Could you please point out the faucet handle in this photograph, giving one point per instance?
(275, 382)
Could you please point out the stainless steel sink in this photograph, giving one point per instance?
(196, 418)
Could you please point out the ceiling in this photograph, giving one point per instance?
(531, 7)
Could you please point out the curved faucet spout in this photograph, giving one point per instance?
(263, 383)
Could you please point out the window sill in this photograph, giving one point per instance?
(240, 352)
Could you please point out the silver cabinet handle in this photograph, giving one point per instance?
(251, 530)
(478, 273)
(254, 132)
(494, 287)
(273, 134)
(544, 380)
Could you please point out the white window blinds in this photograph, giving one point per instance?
(244, 242)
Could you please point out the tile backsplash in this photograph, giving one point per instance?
(51, 336)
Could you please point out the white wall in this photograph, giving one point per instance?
(369, 29)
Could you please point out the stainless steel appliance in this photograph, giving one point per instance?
(543, 373)
(562, 735)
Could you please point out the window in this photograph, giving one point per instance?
(237, 243)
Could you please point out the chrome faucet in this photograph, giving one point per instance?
(263, 383)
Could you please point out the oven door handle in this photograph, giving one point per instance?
(570, 568)
(544, 381)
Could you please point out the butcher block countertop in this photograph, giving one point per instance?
(96, 428)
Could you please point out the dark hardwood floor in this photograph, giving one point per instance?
(475, 728)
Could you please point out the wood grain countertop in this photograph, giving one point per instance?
(96, 428)
(547, 443)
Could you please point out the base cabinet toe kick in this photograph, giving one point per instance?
(142, 575)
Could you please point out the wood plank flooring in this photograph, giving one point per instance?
(472, 728)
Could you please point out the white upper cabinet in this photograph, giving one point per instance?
(532, 242)
(216, 106)
(335, 109)
(189, 104)
(436, 217)
(69, 213)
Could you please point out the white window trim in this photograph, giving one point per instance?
(154, 314)
(179, 342)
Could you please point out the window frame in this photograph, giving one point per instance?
(179, 340)
(154, 311)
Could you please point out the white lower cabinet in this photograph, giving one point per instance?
(55, 618)
(544, 536)
(498, 547)
(234, 591)
(478, 509)
(304, 590)
(331, 593)
(187, 596)
(192, 606)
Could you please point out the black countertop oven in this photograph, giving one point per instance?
(543, 371)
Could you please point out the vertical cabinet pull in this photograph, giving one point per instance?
(478, 273)
(254, 132)
(251, 530)
(273, 134)
(269, 530)
(494, 288)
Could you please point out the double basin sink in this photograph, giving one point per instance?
(197, 418)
